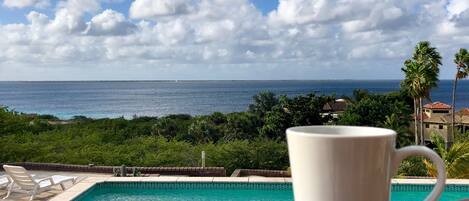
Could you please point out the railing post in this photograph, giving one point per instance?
(203, 159)
(123, 171)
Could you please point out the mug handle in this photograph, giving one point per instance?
(414, 150)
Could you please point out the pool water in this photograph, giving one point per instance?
(446, 196)
(195, 195)
(146, 191)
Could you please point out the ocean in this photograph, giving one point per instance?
(101, 99)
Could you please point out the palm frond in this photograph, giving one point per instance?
(431, 169)
(456, 158)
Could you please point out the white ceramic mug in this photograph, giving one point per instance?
(349, 163)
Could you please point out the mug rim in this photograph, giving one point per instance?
(366, 131)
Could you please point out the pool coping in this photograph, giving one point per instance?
(89, 182)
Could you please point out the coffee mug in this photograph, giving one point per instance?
(350, 163)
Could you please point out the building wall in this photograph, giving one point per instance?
(434, 128)
(441, 129)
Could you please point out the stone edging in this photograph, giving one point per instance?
(189, 171)
(257, 172)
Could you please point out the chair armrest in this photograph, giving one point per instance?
(7, 177)
(45, 179)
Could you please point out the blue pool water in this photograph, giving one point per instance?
(146, 191)
(195, 195)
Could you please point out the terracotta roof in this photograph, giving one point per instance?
(437, 105)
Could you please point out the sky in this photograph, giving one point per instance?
(224, 39)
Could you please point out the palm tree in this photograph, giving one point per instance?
(461, 59)
(428, 56)
(456, 158)
(394, 122)
(410, 84)
(424, 53)
(416, 80)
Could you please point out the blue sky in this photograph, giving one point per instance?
(265, 5)
(224, 39)
(18, 15)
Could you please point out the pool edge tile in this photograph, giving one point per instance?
(194, 179)
(266, 180)
(94, 179)
(159, 179)
(230, 179)
(124, 179)
(413, 181)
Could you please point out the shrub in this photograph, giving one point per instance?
(412, 166)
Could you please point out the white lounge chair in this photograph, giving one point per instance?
(4, 181)
(27, 184)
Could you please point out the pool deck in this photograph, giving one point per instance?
(87, 180)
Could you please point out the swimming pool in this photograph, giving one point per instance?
(233, 191)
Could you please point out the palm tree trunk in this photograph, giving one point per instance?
(450, 137)
(415, 122)
(422, 137)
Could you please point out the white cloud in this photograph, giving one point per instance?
(308, 11)
(148, 9)
(171, 33)
(456, 7)
(109, 22)
(380, 17)
(308, 38)
(78, 7)
(213, 31)
(26, 3)
(69, 16)
(37, 18)
(67, 22)
(458, 12)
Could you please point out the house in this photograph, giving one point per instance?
(335, 108)
(437, 119)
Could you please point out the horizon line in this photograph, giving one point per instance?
(189, 80)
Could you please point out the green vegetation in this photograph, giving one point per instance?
(461, 136)
(390, 111)
(251, 139)
(413, 166)
(421, 75)
(461, 59)
(456, 158)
